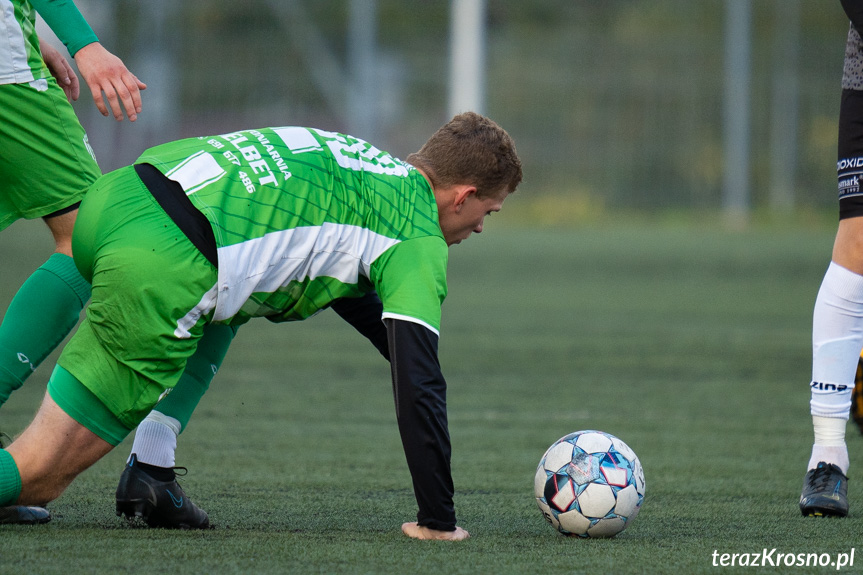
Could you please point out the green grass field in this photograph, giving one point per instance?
(692, 344)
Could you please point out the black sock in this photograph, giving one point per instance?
(157, 473)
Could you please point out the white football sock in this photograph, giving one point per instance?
(156, 439)
(837, 338)
(829, 443)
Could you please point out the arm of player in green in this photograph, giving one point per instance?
(66, 21)
(420, 396)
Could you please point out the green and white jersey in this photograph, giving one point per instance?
(303, 217)
(20, 56)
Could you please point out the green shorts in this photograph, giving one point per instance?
(46, 164)
(146, 275)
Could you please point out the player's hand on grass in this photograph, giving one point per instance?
(415, 531)
(61, 70)
(106, 73)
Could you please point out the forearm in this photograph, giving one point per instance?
(66, 21)
(420, 396)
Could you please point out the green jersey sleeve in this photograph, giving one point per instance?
(64, 19)
(410, 279)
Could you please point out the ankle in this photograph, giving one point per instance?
(158, 473)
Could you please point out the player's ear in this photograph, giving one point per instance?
(462, 193)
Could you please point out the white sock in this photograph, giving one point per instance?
(156, 439)
(829, 443)
(837, 338)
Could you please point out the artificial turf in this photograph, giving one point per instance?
(690, 343)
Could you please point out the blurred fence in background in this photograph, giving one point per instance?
(614, 104)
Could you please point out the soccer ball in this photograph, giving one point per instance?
(589, 484)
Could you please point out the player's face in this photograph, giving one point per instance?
(469, 216)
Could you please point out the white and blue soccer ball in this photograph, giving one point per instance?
(590, 484)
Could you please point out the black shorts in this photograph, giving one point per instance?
(850, 162)
(850, 165)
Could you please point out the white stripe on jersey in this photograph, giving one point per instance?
(195, 172)
(14, 68)
(207, 303)
(263, 265)
(299, 140)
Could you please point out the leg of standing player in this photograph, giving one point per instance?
(837, 328)
(43, 312)
(45, 137)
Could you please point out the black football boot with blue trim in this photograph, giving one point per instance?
(153, 494)
(825, 492)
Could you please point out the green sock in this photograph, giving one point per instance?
(42, 313)
(200, 369)
(10, 480)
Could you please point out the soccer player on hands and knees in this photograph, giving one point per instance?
(837, 330)
(276, 223)
(46, 165)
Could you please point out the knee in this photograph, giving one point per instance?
(848, 247)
